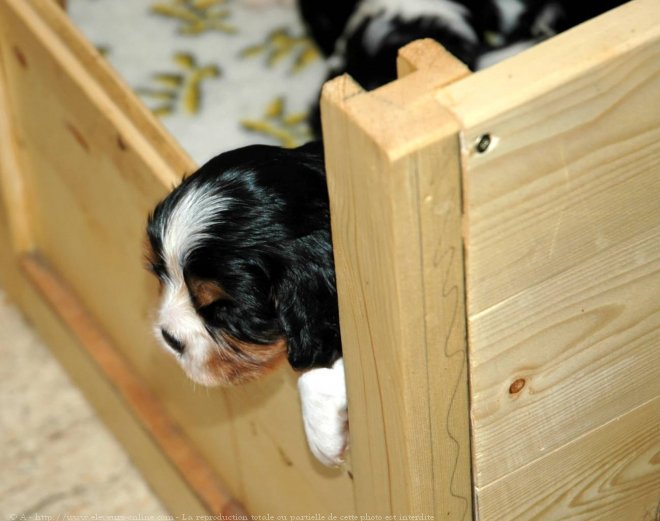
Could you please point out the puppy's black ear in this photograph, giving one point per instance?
(307, 307)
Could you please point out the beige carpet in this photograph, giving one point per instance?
(56, 457)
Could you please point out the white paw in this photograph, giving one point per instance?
(325, 415)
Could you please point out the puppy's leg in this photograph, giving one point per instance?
(325, 414)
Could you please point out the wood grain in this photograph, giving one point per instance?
(562, 233)
(610, 474)
(14, 190)
(393, 176)
(584, 342)
(548, 153)
(54, 29)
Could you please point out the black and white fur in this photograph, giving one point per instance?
(362, 37)
(243, 249)
(243, 253)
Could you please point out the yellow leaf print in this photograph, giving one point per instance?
(196, 16)
(290, 130)
(280, 45)
(180, 90)
(275, 108)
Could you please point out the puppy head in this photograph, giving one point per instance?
(369, 46)
(228, 247)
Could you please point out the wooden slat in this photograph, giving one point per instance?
(521, 79)
(562, 235)
(70, 45)
(394, 182)
(592, 122)
(610, 474)
(14, 189)
(288, 480)
(584, 342)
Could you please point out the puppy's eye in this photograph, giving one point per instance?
(216, 311)
(206, 292)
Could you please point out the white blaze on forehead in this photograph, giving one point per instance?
(182, 231)
(187, 225)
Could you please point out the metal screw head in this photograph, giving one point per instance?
(483, 142)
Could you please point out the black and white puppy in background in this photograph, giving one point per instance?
(362, 37)
(242, 247)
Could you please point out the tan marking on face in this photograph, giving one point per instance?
(252, 362)
(204, 292)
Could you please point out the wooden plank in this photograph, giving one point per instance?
(394, 182)
(562, 242)
(590, 120)
(54, 29)
(585, 344)
(523, 78)
(610, 474)
(138, 397)
(444, 306)
(13, 185)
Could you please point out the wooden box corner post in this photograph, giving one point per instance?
(393, 164)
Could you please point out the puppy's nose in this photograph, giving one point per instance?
(173, 342)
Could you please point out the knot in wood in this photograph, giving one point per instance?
(517, 386)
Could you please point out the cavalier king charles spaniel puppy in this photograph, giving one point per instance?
(242, 248)
(243, 253)
(362, 37)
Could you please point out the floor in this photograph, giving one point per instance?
(57, 458)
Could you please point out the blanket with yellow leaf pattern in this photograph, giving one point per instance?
(219, 73)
